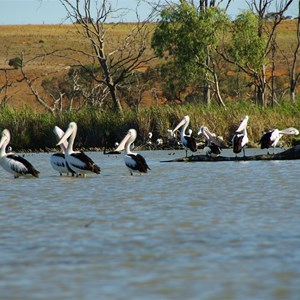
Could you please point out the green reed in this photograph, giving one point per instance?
(33, 131)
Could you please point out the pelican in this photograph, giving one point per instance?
(77, 161)
(149, 141)
(12, 163)
(271, 138)
(188, 142)
(133, 161)
(58, 160)
(240, 138)
(213, 146)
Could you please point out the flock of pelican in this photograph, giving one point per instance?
(77, 163)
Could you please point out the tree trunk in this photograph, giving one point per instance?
(207, 94)
(261, 88)
(116, 102)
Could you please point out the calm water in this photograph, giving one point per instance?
(225, 230)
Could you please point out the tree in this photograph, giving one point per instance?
(189, 34)
(295, 76)
(118, 64)
(253, 40)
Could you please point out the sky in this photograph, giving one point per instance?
(52, 12)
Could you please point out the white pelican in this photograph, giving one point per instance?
(188, 142)
(240, 138)
(133, 161)
(213, 146)
(58, 160)
(159, 141)
(77, 161)
(12, 163)
(149, 141)
(271, 138)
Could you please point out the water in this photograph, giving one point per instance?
(225, 230)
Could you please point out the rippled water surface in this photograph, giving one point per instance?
(225, 230)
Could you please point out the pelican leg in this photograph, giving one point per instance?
(244, 151)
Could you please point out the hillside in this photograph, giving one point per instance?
(34, 40)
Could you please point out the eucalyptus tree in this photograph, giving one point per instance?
(188, 34)
(253, 41)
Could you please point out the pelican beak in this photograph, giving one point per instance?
(200, 130)
(59, 134)
(65, 137)
(182, 122)
(243, 124)
(123, 142)
(3, 138)
(2, 141)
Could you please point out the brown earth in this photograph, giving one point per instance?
(33, 40)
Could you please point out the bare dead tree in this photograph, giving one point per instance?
(294, 75)
(5, 86)
(118, 64)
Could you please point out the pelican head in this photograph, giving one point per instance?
(72, 129)
(59, 134)
(202, 129)
(5, 137)
(185, 121)
(289, 131)
(243, 124)
(127, 140)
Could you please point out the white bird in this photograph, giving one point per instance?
(149, 141)
(58, 160)
(77, 161)
(188, 142)
(240, 138)
(213, 146)
(133, 161)
(159, 141)
(12, 163)
(272, 137)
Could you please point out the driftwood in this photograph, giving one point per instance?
(292, 153)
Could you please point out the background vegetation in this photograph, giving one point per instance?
(98, 130)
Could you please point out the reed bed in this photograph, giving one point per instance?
(96, 130)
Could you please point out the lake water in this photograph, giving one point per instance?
(225, 230)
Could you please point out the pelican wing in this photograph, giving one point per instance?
(21, 166)
(237, 143)
(137, 162)
(81, 161)
(190, 142)
(265, 141)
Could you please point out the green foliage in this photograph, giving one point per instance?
(188, 37)
(248, 48)
(15, 62)
(187, 34)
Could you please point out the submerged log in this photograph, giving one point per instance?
(292, 153)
